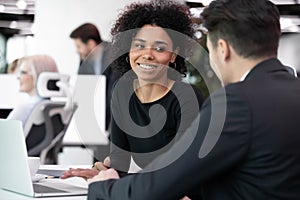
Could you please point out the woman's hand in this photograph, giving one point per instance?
(105, 175)
(102, 166)
(87, 173)
(79, 172)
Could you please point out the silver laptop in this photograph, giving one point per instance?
(14, 168)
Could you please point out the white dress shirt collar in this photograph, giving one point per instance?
(245, 75)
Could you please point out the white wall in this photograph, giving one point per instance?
(19, 46)
(289, 48)
(56, 19)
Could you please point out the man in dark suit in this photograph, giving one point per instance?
(247, 141)
(90, 48)
(95, 58)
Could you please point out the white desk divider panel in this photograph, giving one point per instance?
(87, 126)
(9, 92)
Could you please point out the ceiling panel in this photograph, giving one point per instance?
(289, 11)
(10, 12)
(17, 16)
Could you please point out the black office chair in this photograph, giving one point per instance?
(49, 120)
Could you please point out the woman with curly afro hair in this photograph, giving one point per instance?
(151, 106)
(165, 14)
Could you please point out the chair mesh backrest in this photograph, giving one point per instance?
(47, 88)
(49, 118)
(37, 128)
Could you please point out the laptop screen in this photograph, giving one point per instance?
(14, 169)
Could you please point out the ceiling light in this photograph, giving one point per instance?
(294, 29)
(206, 2)
(33, 28)
(21, 4)
(196, 12)
(2, 8)
(13, 24)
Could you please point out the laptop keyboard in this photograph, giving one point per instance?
(44, 189)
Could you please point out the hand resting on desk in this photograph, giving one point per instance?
(87, 173)
(105, 175)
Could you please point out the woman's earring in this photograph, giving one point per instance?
(127, 59)
(174, 63)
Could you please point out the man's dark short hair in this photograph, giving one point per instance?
(86, 32)
(251, 27)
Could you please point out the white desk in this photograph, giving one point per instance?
(58, 170)
(9, 89)
(8, 195)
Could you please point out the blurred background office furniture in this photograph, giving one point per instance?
(49, 120)
(86, 139)
(86, 134)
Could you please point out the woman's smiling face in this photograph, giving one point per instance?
(150, 53)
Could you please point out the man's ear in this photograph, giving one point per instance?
(174, 55)
(223, 49)
(91, 44)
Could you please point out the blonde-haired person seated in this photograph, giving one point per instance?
(13, 67)
(30, 69)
